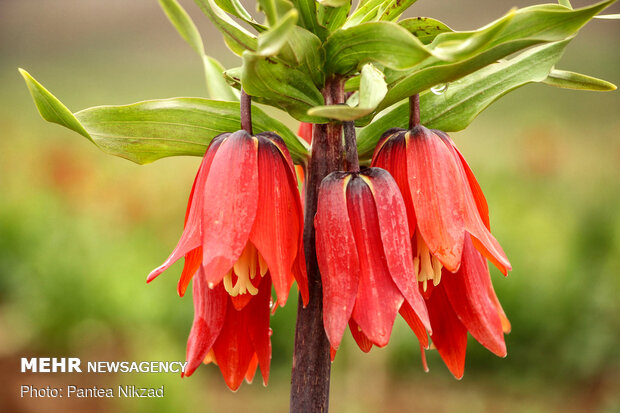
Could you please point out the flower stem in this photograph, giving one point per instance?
(350, 147)
(246, 112)
(311, 358)
(414, 111)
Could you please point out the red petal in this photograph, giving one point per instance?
(449, 334)
(378, 298)
(392, 218)
(209, 315)
(193, 260)
(477, 214)
(191, 232)
(233, 348)
(336, 255)
(467, 291)
(276, 230)
(332, 354)
(360, 338)
(305, 131)
(506, 327)
(437, 195)
(414, 323)
(299, 268)
(249, 375)
(393, 158)
(228, 216)
(258, 326)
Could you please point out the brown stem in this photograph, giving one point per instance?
(350, 147)
(311, 362)
(246, 112)
(414, 111)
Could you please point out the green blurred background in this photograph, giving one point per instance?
(80, 230)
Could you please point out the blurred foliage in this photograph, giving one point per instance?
(79, 231)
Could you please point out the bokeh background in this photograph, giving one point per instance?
(80, 230)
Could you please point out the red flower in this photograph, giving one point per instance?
(364, 255)
(244, 222)
(449, 224)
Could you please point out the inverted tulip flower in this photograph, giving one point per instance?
(364, 255)
(449, 225)
(243, 231)
(444, 202)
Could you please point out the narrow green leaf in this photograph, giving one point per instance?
(372, 90)
(572, 80)
(333, 17)
(385, 43)
(184, 24)
(517, 35)
(333, 3)
(467, 97)
(392, 9)
(235, 8)
(424, 28)
(146, 131)
(451, 46)
(236, 37)
(304, 50)
(308, 18)
(366, 11)
(50, 108)
(274, 9)
(217, 87)
(271, 41)
(608, 16)
(281, 86)
(565, 3)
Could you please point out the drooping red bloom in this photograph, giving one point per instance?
(449, 226)
(243, 231)
(364, 255)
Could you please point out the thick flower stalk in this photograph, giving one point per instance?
(448, 222)
(243, 232)
(364, 254)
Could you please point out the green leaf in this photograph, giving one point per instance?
(217, 88)
(304, 50)
(379, 42)
(548, 22)
(466, 98)
(424, 28)
(333, 3)
(372, 90)
(50, 108)
(146, 131)
(333, 17)
(184, 24)
(451, 46)
(274, 9)
(561, 24)
(235, 8)
(271, 41)
(392, 9)
(236, 37)
(281, 86)
(565, 3)
(608, 16)
(572, 80)
(308, 18)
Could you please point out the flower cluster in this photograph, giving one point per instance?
(409, 235)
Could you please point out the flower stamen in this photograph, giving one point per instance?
(239, 279)
(427, 266)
